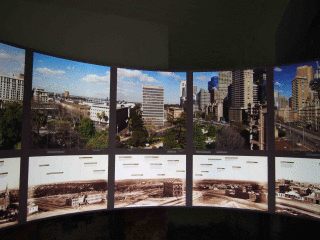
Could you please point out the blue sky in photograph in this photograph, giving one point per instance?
(130, 84)
(284, 75)
(80, 79)
(201, 79)
(11, 60)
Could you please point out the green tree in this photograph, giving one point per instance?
(211, 131)
(140, 134)
(229, 139)
(99, 116)
(170, 140)
(198, 137)
(176, 136)
(39, 119)
(139, 138)
(10, 125)
(86, 128)
(98, 141)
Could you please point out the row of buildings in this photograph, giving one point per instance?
(304, 103)
(296, 191)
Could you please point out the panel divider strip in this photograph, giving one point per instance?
(26, 137)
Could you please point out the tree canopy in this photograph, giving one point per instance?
(10, 125)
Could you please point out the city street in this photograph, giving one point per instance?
(300, 138)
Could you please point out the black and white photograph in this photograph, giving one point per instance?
(66, 184)
(9, 191)
(298, 186)
(150, 180)
(230, 181)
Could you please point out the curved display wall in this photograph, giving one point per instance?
(78, 137)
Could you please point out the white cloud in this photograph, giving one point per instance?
(71, 68)
(13, 57)
(171, 75)
(48, 71)
(202, 78)
(277, 69)
(94, 78)
(277, 84)
(137, 74)
(4, 55)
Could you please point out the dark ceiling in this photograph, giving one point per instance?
(166, 34)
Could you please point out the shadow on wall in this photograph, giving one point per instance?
(156, 224)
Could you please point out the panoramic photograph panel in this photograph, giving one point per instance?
(150, 180)
(66, 184)
(230, 181)
(298, 186)
(9, 191)
(70, 104)
(12, 63)
(297, 107)
(229, 110)
(151, 109)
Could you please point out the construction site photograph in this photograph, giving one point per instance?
(230, 181)
(150, 180)
(298, 187)
(9, 191)
(66, 184)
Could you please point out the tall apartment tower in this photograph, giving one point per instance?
(11, 88)
(301, 91)
(242, 93)
(224, 80)
(153, 105)
(242, 88)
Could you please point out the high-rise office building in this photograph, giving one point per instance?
(260, 79)
(242, 93)
(11, 88)
(183, 92)
(224, 80)
(153, 105)
(255, 93)
(203, 99)
(242, 88)
(301, 91)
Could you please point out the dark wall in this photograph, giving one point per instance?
(156, 224)
(88, 36)
(180, 35)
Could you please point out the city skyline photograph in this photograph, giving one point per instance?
(229, 110)
(11, 96)
(70, 104)
(297, 105)
(151, 109)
